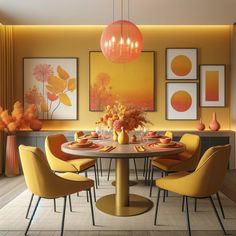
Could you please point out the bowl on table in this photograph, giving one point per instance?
(165, 140)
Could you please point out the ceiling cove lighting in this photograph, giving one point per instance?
(121, 41)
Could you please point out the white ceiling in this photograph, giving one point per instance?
(100, 12)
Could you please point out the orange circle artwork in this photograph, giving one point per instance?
(181, 101)
(181, 65)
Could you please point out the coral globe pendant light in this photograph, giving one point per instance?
(121, 41)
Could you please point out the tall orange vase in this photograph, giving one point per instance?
(12, 158)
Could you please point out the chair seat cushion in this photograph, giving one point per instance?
(85, 182)
(82, 163)
(166, 164)
(169, 182)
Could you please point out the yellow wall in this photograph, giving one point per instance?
(213, 43)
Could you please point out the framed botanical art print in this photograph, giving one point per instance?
(212, 85)
(181, 63)
(181, 101)
(131, 84)
(51, 84)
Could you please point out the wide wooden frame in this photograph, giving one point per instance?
(171, 113)
(153, 77)
(220, 85)
(191, 54)
(73, 109)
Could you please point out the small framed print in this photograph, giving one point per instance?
(212, 85)
(181, 101)
(181, 63)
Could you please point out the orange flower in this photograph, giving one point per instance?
(52, 96)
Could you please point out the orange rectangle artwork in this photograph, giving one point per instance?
(212, 86)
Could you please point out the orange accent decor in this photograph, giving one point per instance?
(181, 101)
(212, 86)
(181, 65)
(12, 159)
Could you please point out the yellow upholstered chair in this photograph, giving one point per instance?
(42, 182)
(185, 161)
(63, 162)
(205, 181)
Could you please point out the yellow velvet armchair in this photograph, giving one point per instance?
(41, 181)
(205, 181)
(185, 161)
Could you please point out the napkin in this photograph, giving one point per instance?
(107, 149)
(140, 149)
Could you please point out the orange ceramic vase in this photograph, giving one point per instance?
(214, 125)
(12, 159)
(200, 125)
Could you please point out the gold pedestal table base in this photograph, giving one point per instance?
(137, 205)
(122, 203)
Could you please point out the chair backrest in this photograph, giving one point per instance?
(38, 176)
(210, 172)
(169, 134)
(193, 148)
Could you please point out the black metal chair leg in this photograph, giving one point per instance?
(70, 203)
(30, 203)
(167, 192)
(95, 176)
(144, 166)
(54, 205)
(217, 215)
(195, 204)
(146, 172)
(149, 170)
(221, 208)
(91, 205)
(36, 206)
(151, 184)
(94, 194)
(97, 172)
(187, 216)
(109, 169)
(157, 206)
(135, 168)
(164, 195)
(77, 194)
(100, 160)
(63, 216)
(183, 201)
(86, 175)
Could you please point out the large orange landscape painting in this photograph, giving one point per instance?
(131, 84)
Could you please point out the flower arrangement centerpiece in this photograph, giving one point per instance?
(123, 119)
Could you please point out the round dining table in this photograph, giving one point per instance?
(122, 203)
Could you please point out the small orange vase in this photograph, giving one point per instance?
(12, 158)
(200, 125)
(214, 125)
(36, 125)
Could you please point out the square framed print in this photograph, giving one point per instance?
(181, 101)
(52, 85)
(132, 84)
(212, 85)
(181, 63)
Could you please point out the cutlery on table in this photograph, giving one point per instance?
(107, 149)
(140, 148)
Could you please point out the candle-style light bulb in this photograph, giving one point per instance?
(136, 44)
(121, 41)
(128, 41)
(113, 39)
(132, 45)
